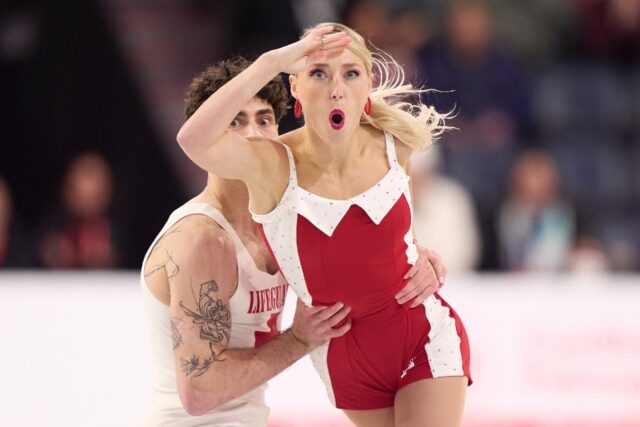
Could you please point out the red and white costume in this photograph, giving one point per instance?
(357, 251)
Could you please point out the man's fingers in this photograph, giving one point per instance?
(440, 271)
(329, 311)
(408, 288)
(412, 271)
(443, 277)
(315, 309)
(422, 297)
(411, 292)
(438, 266)
(338, 332)
(423, 280)
(339, 316)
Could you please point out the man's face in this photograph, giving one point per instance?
(256, 119)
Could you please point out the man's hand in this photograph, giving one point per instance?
(314, 326)
(426, 277)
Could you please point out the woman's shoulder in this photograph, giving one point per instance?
(402, 150)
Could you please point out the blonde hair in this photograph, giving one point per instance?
(414, 123)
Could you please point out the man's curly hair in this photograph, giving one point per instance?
(201, 88)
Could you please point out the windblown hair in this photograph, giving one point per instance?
(213, 78)
(414, 123)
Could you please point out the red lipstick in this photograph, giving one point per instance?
(336, 118)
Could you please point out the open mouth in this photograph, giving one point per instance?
(336, 118)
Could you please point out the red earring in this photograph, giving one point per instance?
(297, 109)
(367, 107)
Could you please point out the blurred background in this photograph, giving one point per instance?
(539, 184)
(542, 173)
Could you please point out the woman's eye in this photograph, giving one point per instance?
(351, 74)
(317, 74)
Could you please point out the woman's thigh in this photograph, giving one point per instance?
(436, 402)
(383, 417)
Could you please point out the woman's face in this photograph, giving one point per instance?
(333, 92)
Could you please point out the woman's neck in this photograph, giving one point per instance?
(331, 157)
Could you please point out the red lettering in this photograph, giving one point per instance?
(251, 307)
(263, 301)
(267, 299)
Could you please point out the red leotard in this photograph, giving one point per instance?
(357, 251)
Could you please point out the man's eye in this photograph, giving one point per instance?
(234, 123)
(265, 121)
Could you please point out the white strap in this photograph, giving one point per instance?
(391, 150)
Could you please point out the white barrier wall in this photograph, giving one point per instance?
(546, 351)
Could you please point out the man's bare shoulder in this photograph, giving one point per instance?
(195, 234)
(200, 233)
(203, 251)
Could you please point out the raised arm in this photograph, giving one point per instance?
(200, 263)
(204, 136)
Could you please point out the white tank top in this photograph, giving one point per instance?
(255, 313)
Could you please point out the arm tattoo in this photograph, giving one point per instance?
(214, 318)
(175, 335)
(196, 366)
(169, 266)
(175, 269)
(168, 233)
(174, 229)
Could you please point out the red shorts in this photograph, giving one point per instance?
(383, 352)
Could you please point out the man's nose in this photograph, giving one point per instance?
(254, 130)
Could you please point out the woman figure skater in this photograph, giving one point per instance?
(333, 202)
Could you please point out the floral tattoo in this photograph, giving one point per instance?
(214, 319)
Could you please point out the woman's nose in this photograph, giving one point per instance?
(337, 93)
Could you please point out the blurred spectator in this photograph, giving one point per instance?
(83, 235)
(309, 12)
(399, 27)
(444, 217)
(13, 243)
(536, 226)
(488, 91)
(537, 31)
(489, 88)
(610, 29)
(588, 256)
